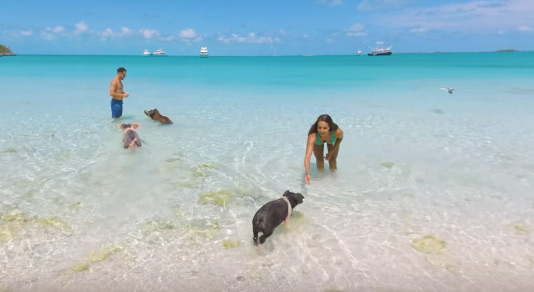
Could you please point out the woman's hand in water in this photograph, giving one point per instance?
(307, 178)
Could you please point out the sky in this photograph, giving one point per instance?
(264, 28)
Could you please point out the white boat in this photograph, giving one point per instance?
(159, 52)
(204, 52)
(380, 51)
(146, 53)
(359, 52)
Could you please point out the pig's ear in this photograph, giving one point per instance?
(122, 126)
(136, 126)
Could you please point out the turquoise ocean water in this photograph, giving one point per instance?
(434, 191)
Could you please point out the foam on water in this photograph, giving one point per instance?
(433, 191)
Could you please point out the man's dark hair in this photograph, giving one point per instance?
(121, 69)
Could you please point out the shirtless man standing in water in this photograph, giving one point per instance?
(117, 94)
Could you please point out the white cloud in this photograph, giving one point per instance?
(250, 38)
(47, 36)
(481, 17)
(167, 38)
(187, 33)
(81, 27)
(56, 29)
(234, 38)
(149, 33)
(525, 28)
(107, 33)
(419, 30)
(331, 2)
(126, 31)
(26, 32)
(382, 4)
(356, 30)
(51, 33)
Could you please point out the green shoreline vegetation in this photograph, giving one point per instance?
(5, 51)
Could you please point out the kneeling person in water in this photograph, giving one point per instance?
(324, 130)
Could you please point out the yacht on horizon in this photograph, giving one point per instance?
(380, 51)
(203, 52)
(159, 52)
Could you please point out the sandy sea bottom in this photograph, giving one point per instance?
(433, 191)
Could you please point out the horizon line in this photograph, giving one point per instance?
(289, 55)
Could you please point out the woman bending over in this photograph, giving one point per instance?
(324, 130)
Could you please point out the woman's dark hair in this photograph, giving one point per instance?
(323, 118)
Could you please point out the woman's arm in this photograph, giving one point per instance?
(307, 157)
(339, 137)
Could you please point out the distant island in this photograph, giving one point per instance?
(5, 51)
(507, 51)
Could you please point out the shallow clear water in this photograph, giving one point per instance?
(433, 192)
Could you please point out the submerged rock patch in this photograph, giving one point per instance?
(219, 197)
(387, 164)
(518, 228)
(428, 244)
(97, 256)
(230, 243)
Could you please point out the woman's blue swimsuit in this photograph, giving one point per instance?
(319, 142)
